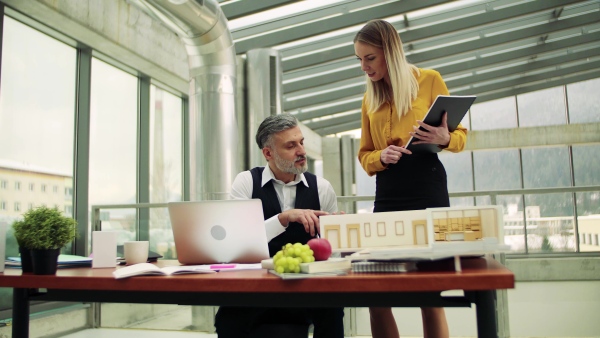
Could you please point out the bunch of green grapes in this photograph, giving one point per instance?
(290, 256)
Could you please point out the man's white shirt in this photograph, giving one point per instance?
(286, 194)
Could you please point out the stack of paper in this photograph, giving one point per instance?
(383, 266)
(64, 261)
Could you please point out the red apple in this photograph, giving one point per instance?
(321, 248)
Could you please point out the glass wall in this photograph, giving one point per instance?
(552, 221)
(496, 114)
(542, 108)
(166, 156)
(36, 127)
(113, 146)
(38, 136)
(584, 105)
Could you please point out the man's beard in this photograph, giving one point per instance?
(290, 166)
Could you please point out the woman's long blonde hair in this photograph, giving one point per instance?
(404, 84)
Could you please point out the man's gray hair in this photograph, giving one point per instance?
(273, 125)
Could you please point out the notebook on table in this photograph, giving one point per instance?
(226, 231)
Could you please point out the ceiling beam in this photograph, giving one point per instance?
(501, 77)
(323, 79)
(338, 128)
(516, 82)
(548, 47)
(505, 38)
(330, 110)
(334, 121)
(522, 89)
(412, 36)
(472, 63)
(300, 17)
(326, 25)
(561, 61)
(235, 10)
(503, 89)
(323, 98)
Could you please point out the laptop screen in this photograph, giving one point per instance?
(224, 231)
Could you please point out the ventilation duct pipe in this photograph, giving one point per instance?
(263, 78)
(202, 27)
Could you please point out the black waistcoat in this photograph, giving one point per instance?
(306, 198)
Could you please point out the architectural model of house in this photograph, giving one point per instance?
(452, 230)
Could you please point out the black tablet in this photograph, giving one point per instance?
(456, 106)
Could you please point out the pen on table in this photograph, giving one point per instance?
(222, 266)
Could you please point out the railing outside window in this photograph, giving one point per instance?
(525, 229)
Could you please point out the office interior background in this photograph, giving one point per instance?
(107, 113)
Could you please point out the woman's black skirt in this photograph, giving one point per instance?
(416, 182)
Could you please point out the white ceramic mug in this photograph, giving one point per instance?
(136, 252)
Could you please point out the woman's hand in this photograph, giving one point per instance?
(435, 135)
(392, 154)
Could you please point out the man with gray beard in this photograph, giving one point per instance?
(293, 199)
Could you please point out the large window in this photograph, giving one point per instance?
(113, 145)
(38, 128)
(497, 169)
(166, 157)
(166, 142)
(459, 170)
(496, 114)
(542, 108)
(584, 101)
(36, 124)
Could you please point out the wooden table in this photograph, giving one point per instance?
(479, 278)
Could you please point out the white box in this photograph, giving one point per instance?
(104, 249)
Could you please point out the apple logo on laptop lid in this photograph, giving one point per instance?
(218, 232)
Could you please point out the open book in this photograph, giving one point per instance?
(142, 269)
(455, 106)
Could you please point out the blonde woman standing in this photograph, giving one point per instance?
(397, 98)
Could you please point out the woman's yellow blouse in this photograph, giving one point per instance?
(382, 128)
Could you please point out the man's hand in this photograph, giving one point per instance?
(308, 218)
(435, 135)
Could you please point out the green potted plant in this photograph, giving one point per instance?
(44, 231)
(25, 253)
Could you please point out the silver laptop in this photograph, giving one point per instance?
(227, 231)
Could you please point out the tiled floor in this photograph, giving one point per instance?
(129, 333)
